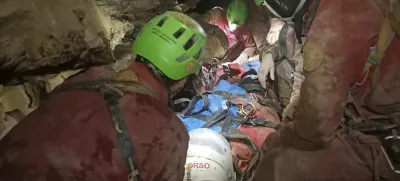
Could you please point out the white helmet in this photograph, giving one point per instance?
(209, 157)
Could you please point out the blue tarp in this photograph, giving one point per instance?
(217, 103)
(251, 65)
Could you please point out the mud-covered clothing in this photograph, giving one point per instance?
(71, 135)
(286, 52)
(288, 58)
(259, 24)
(242, 37)
(311, 147)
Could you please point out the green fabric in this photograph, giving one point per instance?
(259, 2)
(237, 12)
(172, 42)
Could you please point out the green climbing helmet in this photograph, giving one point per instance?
(172, 42)
(237, 12)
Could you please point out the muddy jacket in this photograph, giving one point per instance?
(259, 23)
(242, 36)
(337, 46)
(71, 136)
(287, 49)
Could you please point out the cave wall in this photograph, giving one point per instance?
(47, 36)
(43, 42)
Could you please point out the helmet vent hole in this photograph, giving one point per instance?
(179, 33)
(197, 56)
(190, 42)
(162, 21)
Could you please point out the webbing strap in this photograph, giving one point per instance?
(312, 15)
(188, 110)
(222, 116)
(227, 95)
(235, 134)
(389, 28)
(283, 37)
(216, 119)
(288, 19)
(251, 87)
(386, 35)
(111, 95)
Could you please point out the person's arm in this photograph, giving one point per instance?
(292, 52)
(250, 48)
(298, 76)
(259, 23)
(249, 43)
(268, 56)
(276, 50)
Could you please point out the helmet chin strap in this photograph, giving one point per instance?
(288, 19)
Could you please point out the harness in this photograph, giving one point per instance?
(112, 91)
(266, 97)
(224, 119)
(385, 132)
(389, 29)
(290, 18)
(302, 17)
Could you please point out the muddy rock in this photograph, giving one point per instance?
(124, 56)
(137, 13)
(18, 101)
(46, 36)
(43, 42)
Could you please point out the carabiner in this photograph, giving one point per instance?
(248, 112)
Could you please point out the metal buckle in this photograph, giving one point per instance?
(247, 113)
(387, 156)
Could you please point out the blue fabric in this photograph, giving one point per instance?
(216, 105)
(228, 87)
(251, 65)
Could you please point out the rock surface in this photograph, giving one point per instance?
(43, 42)
(46, 36)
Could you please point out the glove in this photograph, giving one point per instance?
(267, 66)
(241, 59)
